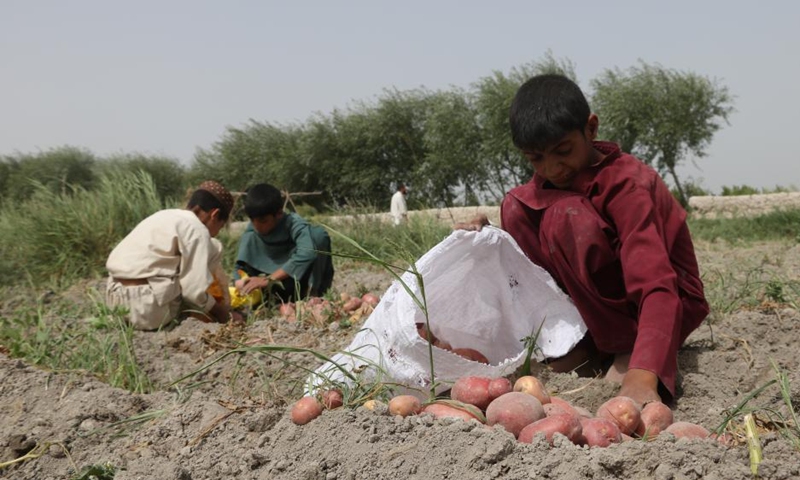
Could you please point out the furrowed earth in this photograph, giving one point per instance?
(232, 419)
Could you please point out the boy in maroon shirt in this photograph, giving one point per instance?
(609, 231)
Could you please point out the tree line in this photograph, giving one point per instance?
(451, 146)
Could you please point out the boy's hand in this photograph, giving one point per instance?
(476, 224)
(252, 283)
(640, 385)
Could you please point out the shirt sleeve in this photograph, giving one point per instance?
(304, 253)
(650, 280)
(195, 275)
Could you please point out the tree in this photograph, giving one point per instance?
(503, 166)
(59, 169)
(660, 115)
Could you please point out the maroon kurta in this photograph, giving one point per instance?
(618, 244)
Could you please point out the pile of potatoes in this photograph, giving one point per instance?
(323, 311)
(526, 410)
(468, 353)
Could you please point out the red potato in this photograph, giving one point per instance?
(472, 390)
(532, 386)
(687, 430)
(286, 310)
(553, 409)
(623, 411)
(499, 387)
(332, 399)
(599, 432)
(566, 406)
(370, 299)
(351, 305)
(656, 417)
(440, 410)
(566, 425)
(423, 333)
(514, 411)
(471, 354)
(404, 405)
(344, 296)
(443, 345)
(305, 410)
(725, 439)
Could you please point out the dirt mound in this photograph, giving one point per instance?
(232, 421)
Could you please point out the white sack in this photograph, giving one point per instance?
(482, 293)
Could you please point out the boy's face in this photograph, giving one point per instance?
(212, 221)
(264, 225)
(560, 162)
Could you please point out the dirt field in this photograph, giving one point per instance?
(219, 425)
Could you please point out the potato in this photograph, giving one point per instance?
(498, 387)
(352, 304)
(286, 310)
(532, 386)
(305, 410)
(374, 405)
(370, 299)
(404, 405)
(656, 417)
(566, 406)
(599, 432)
(472, 390)
(725, 439)
(423, 333)
(687, 430)
(440, 410)
(332, 399)
(553, 409)
(443, 345)
(344, 296)
(623, 411)
(514, 411)
(566, 425)
(471, 354)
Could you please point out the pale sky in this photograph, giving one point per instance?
(167, 77)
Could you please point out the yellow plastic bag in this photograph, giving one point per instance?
(238, 300)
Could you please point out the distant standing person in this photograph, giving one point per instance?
(281, 248)
(399, 209)
(170, 258)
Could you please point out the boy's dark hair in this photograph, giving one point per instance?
(206, 201)
(262, 200)
(544, 109)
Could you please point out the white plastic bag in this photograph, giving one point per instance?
(483, 293)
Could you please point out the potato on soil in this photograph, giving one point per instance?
(532, 386)
(472, 390)
(471, 354)
(370, 299)
(599, 432)
(286, 310)
(352, 304)
(499, 386)
(305, 410)
(656, 417)
(623, 411)
(440, 410)
(566, 425)
(687, 430)
(514, 411)
(404, 405)
(565, 406)
(332, 399)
